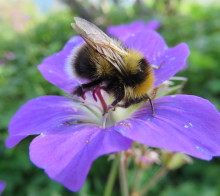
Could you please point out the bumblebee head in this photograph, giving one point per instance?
(137, 67)
(134, 62)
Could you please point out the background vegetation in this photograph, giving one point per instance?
(28, 36)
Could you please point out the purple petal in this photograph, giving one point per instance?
(39, 115)
(155, 50)
(150, 43)
(67, 157)
(53, 67)
(2, 186)
(170, 62)
(153, 24)
(124, 31)
(183, 123)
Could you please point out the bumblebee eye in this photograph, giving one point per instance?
(142, 61)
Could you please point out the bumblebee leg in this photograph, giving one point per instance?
(125, 105)
(80, 90)
(136, 101)
(116, 101)
(119, 93)
(152, 106)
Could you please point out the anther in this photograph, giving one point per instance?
(125, 124)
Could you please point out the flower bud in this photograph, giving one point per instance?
(175, 160)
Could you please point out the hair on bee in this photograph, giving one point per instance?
(125, 73)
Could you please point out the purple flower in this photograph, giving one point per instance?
(10, 56)
(2, 62)
(126, 30)
(72, 134)
(2, 186)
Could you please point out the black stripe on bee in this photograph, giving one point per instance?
(143, 70)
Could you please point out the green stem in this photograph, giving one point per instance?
(137, 177)
(111, 178)
(154, 180)
(122, 174)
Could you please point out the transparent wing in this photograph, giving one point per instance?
(103, 44)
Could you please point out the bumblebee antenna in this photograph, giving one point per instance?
(152, 106)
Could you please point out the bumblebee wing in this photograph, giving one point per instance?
(103, 44)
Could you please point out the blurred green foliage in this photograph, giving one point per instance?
(20, 80)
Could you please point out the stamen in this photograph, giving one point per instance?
(97, 92)
(84, 95)
(105, 116)
(94, 95)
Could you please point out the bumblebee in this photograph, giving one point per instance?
(124, 73)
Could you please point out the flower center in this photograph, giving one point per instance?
(96, 110)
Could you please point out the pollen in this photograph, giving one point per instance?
(125, 124)
(87, 141)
